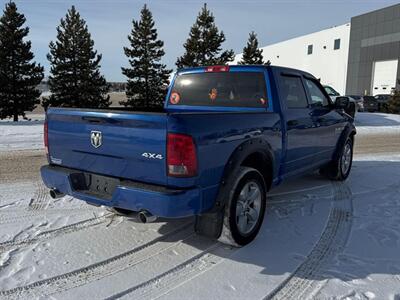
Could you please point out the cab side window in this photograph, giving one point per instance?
(318, 98)
(293, 93)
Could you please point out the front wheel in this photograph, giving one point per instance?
(339, 169)
(244, 212)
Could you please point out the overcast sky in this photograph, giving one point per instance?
(110, 22)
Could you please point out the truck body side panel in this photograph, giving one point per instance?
(217, 136)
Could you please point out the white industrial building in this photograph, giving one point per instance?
(324, 54)
(360, 57)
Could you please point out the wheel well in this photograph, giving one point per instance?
(263, 164)
(352, 134)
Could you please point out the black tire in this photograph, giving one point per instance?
(231, 234)
(335, 169)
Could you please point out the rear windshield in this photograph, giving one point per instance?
(234, 89)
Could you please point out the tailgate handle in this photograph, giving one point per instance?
(99, 120)
(92, 119)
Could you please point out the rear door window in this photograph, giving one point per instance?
(231, 89)
(292, 92)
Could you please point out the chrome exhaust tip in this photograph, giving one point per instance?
(146, 217)
(55, 194)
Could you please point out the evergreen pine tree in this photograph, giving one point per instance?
(203, 47)
(147, 76)
(75, 79)
(251, 54)
(19, 76)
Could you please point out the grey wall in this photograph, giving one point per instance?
(374, 36)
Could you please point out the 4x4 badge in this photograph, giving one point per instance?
(152, 155)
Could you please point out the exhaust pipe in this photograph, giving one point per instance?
(55, 194)
(146, 217)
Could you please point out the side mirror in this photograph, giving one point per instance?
(342, 102)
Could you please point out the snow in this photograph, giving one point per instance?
(377, 119)
(23, 135)
(320, 239)
(376, 123)
(287, 250)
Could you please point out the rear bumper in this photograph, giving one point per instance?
(159, 201)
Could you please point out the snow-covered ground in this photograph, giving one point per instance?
(22, 135)
(320, 239)
(368, 123)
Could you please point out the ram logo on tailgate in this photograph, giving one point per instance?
(96, 139)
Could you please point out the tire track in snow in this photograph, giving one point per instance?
(100, 269)
(49, 234)
(41, 199)
(178, 275)
(307, 278)
(8, 217)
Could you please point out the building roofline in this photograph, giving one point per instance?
(302, 36)
(375, 11)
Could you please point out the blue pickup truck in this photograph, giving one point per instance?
(226, 135)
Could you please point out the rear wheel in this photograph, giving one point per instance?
(244, 212)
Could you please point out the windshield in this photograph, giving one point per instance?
(232, 89)
(331, 91)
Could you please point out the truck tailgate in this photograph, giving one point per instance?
(121, 144)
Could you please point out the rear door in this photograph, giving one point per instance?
(300, 129)
(119, 144)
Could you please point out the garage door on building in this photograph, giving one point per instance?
(384, 76)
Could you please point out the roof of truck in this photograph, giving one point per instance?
(247, 68)
(231, 67)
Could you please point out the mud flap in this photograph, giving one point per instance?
(210, 225)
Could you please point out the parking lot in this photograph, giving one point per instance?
(319, 238)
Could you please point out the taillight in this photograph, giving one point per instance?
(181, 155)
(217, 69)
(46, 137)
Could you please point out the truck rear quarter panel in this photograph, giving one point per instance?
(218, 135)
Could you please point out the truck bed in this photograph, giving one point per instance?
(134, 142)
